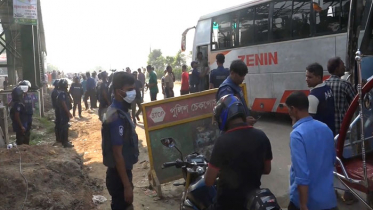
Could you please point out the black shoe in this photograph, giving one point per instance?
(68, 145)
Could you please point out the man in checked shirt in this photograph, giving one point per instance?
(344, 93)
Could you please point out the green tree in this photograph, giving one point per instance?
(156, 59)
(169, 60)
(179, 59)
(51, 67)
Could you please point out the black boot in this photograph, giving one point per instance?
(68, 145)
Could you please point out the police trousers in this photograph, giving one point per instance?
(57, 125)
(77, 102)
(116, 190)
(64, 132)
(23, 138)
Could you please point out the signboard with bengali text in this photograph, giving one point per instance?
(25, 12)
(188, 120)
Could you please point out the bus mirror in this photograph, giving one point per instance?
(183, 39)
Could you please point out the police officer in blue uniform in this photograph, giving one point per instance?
(64, 106)
(103, 95)
(28, 101)
(231, 85)
(120, 142)
(18, 115)
(76, 91)
(54, 95)
(217, 76)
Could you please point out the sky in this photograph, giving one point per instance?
(83, 34)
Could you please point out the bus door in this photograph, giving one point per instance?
(204, 50)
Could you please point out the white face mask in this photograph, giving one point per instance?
(130, 96)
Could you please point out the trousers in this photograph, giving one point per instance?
(64, 133)
(116, 189)
(23, 138)
(91, 94)
(77, 102)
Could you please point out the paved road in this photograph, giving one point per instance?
(277, 128)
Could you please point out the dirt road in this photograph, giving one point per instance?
(86, 136)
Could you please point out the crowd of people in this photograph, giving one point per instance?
(312, 153)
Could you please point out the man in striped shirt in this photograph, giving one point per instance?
(343, 93)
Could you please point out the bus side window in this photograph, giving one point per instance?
(222, 33)
(246, 27)
(344, 15)
(281, 20)
(327, 20)
(301, 19)
(261, 23)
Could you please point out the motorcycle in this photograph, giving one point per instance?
(197, 196)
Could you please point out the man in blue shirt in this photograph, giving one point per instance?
(91, 91)
(217, 76)
(321, 99)
(120, 142)
(231, 85)
(312, 159)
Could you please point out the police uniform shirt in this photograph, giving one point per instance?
(63, 97)
(76, 91)
(218, 76)
(21, 109)
(321, 106)
(28, 99)
(54, 95)
(104, 87)
(229, 87)
(120, 133)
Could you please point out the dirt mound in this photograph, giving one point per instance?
(56, 179)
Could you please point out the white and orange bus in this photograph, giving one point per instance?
(277, 40)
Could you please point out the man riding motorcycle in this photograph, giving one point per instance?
(240, 156)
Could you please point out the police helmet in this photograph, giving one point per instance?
(25, 82)
(55, 83)
(227, 108)
(63, 84)
(17, 93)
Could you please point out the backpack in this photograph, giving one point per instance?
(262, 199)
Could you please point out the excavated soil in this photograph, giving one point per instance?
(56, 179)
